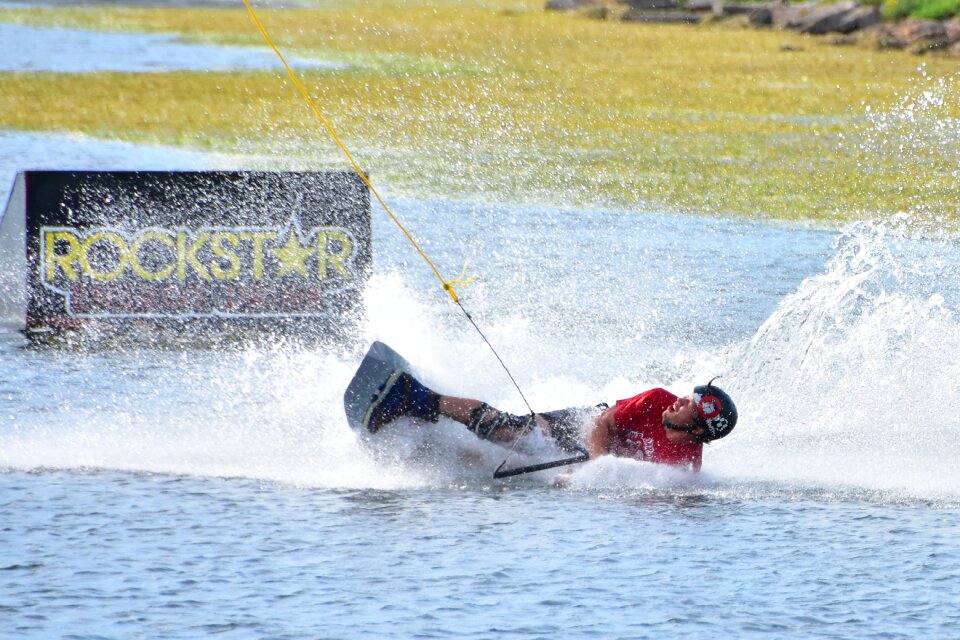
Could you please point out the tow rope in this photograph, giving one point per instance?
(448, 285)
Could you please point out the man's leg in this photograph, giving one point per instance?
(564, 426)
(485, 421)
(404, 395)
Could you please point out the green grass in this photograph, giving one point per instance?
(930, 9)
(503, 101)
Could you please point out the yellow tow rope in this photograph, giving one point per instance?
(448, 285)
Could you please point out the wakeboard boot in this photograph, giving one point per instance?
(401, 395)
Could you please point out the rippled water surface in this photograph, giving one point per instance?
(106, 554)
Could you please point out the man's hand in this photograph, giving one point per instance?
(598, 440)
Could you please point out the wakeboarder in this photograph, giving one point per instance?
(654, 426)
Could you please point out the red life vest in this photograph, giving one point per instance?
(639, 432)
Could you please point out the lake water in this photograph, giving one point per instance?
(185, 493)
(40, 49)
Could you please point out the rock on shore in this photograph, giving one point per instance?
(850, 21)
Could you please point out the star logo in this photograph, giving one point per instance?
(293, 256)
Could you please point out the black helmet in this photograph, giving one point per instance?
(716, 413)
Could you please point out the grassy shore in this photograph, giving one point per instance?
(503, 101)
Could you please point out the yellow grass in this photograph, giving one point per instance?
(501, 100)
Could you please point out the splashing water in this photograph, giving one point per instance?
(848, 383)
(853, 379)
(918, 134)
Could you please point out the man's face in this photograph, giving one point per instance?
(682, 413)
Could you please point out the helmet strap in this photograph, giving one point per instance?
(701, 437)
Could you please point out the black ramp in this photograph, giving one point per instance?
(377, 365)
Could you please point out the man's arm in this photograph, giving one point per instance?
(599, 438)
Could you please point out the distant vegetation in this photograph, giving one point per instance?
(899, 9)
(930, 9)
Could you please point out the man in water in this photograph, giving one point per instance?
(655, 426)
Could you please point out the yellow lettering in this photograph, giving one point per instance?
(336, 260)
(258, 238)
(216, 243)
(64, 261)
(158, 254)
(104, 236)
(188, 256)
(134, 256)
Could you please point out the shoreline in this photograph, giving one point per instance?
(841, 23)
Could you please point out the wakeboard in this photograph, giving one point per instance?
(376, 367)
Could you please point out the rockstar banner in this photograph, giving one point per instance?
(193, 246)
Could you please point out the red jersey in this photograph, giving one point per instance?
(639, 432)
